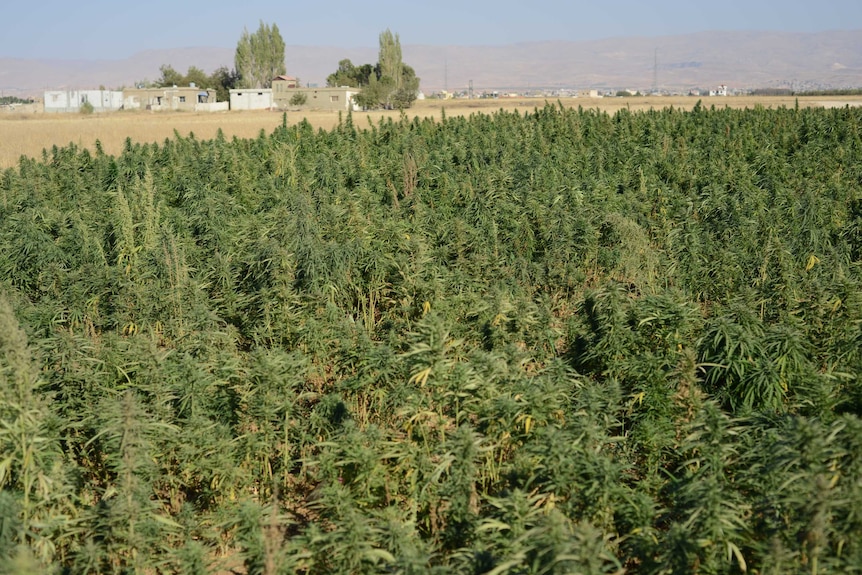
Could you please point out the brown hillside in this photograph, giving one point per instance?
(738, 59)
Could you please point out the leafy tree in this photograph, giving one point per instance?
(194, 75)
(170, 77)
(374, 93)
(222, 80)
(260, 56)
(398, 82)
(389, 84)
(389, 59)
(404, 96)
(349, 75)
(198, 77)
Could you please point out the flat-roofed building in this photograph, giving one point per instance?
(189, 98)
(335, 99)
(74, 100)
(251, 99)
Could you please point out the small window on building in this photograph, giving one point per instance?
(260, 93)
(182, 99)
(239, 93)
(333, 98)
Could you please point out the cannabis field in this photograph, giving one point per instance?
(560, 341)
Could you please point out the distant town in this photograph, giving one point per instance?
(287, 94)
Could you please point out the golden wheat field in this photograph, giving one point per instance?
(27, 134)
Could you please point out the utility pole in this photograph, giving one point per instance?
(655, 72)
(471, 90)
(446, 75)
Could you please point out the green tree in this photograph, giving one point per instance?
(374, 94)
(170, 77)
(349, 75)
(197, 77)
(390, 84)
(193, 75)
(399, 79)
(222, 80)
(389, 59)
(406, 93)
(260, 56)
(343, 75)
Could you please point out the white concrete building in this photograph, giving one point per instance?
(721, 91)
(251, 99)
(72, 100)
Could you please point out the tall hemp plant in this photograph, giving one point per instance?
(37, 490)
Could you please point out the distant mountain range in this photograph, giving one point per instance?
(701, 60)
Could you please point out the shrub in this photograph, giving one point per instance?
(299, 99)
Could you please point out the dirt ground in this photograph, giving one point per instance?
(27, 133)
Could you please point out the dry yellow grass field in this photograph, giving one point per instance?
(28, 134)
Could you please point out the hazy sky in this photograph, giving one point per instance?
(99, 29)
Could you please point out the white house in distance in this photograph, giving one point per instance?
(251, 99)
(720, 91)
(72, 100)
